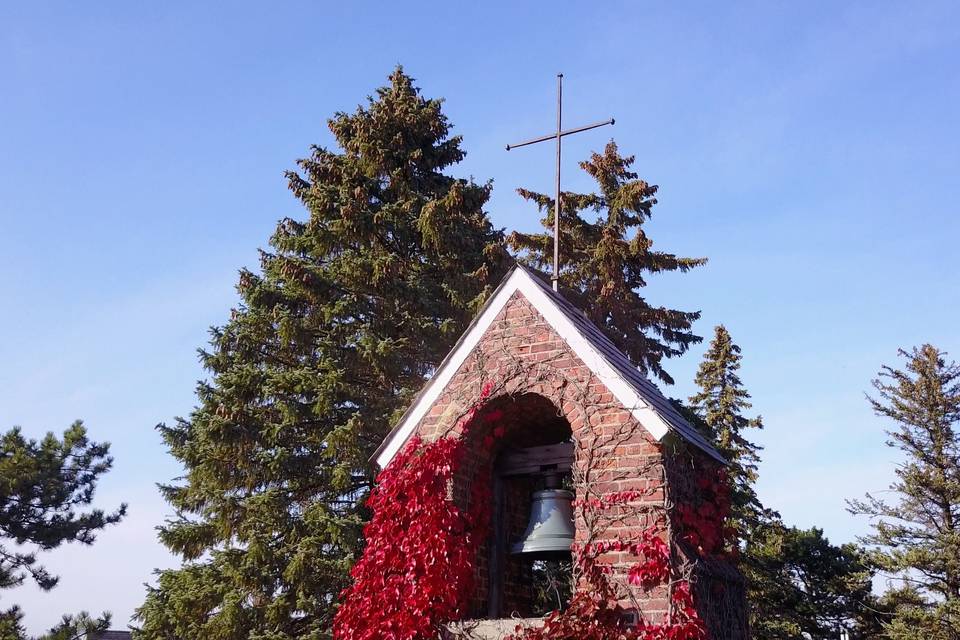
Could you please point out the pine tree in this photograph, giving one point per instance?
(605, 261)
(720, 405)
(45, 489)
(916, 536)
(75, 627)
(800, 586)
(352, 310)
(81, 626)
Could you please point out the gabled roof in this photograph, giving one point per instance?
(628, 385)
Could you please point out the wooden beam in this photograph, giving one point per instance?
(536, 459)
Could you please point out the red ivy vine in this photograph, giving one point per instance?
(594, 614)
(417, 570)
(702, 524)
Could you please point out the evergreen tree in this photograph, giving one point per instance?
(802, 586)
(10, 625)
(352, 310)
(77, 627)
(720, 404)
(916, 536)
(605, 261)
(45, 489)
(71, 627)
(798, 584)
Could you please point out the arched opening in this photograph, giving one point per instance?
(530, 468)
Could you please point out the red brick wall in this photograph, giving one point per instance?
(522, 355)
(719, 588)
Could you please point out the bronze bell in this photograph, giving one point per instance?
(550, 531)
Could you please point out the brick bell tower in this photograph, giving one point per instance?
(577, 420)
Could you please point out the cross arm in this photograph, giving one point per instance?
(553, 136)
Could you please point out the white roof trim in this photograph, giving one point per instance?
(522, 281)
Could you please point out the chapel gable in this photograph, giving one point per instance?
(560, 426)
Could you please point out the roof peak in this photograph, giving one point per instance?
(631, 387)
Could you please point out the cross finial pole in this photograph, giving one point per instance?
(556, 203)
(558, 136)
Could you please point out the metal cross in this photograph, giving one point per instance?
(558, 136)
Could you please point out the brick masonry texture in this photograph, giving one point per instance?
(546, 394)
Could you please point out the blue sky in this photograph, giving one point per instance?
(810, 150)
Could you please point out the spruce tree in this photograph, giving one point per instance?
(606, 257)
(799, 585)
(720, 404)
(916, 533)
(352, 309)
(46, 488)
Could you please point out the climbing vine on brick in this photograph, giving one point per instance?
(594, 612)
(703, 524)
(417, 570)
